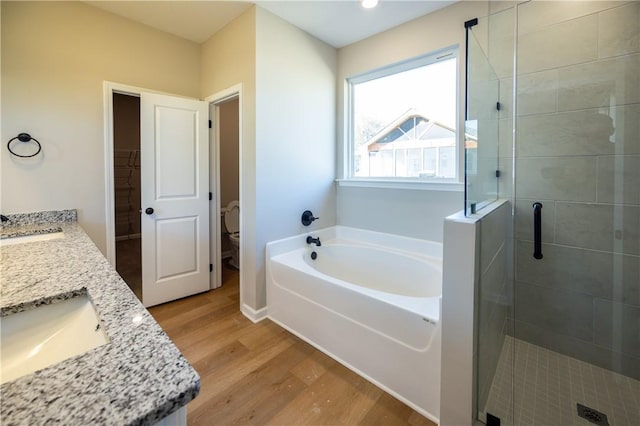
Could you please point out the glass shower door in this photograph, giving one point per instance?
(573, 354)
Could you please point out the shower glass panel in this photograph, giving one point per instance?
(488, 150)
(573, 351)
(481, 121)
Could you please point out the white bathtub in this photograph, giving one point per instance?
(369, 300)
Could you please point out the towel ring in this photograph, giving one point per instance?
(24, 137)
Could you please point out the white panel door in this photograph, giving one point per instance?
(174, 151)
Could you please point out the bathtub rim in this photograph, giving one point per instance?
(381, 240)
(406, 246)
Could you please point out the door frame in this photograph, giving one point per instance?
(108, 89)
(214, 101)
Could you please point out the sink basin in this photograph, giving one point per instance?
(46, 335)
(31, 238)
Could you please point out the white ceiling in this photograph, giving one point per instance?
(337, 23)
(340, 23)
(193, 20)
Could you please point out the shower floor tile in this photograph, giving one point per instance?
(547, 386)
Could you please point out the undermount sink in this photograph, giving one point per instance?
(31, 238)
(46, 335)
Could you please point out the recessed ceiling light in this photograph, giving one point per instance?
(369, 4)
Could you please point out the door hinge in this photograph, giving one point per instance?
(210, 196)
(210, 124)
(498, 106)
(211, 267)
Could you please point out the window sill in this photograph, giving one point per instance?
(402, 184)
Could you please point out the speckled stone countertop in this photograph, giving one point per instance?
(137, 378)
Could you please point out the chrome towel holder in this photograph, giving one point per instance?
(24, 137)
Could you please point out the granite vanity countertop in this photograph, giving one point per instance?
(138, 377)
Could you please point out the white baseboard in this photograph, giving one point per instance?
(252, 314)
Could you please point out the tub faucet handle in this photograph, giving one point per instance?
(307, 217)
(311, 240)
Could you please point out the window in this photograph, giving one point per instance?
(402, 120)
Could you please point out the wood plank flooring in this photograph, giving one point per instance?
(260, 374)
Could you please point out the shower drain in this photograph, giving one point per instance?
(593, 416)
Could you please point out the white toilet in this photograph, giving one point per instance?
(232, 223)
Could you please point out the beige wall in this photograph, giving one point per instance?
(229, 58)
(295, 134)
(422, 211)
(55, 57)
(229, 154)
(229, 160)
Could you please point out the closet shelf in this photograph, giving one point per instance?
(126, 165)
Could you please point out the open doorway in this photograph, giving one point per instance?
(227, 114)
(127, 189)
(227, 223)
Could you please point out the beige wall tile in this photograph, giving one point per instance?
(617, 326)
(524, 220)
(536, 15)
(604, 83)
(599, 226)
(505, 136)
(493, 232)
(567, 43)
(619, 31)
(626, 121)
(501, 42)
(558, 311)
(483, 95)
(569, 178)
(619, 179)
(499, 6)
(605, 275)
(588, 132)
(494, 306)
(506, 98)
(505, 181)
(538, 92)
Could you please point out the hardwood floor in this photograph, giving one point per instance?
(261, 374)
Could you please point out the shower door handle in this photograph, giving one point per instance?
(537, 230)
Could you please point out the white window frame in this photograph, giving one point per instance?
(444, 184)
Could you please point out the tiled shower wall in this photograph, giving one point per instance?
(494, 297)
(577, 152)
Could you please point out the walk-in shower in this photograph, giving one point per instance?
(553, 126)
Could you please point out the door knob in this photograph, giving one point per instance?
(149, 210)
